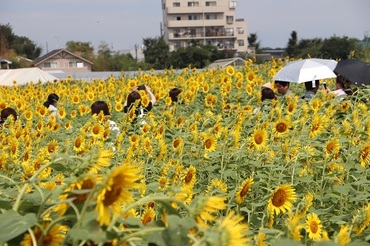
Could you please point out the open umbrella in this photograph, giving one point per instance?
(307, 70)
(356, 71)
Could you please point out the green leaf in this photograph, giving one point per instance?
(177, 230)
(13, 224)
(287, 242)
(89, 231)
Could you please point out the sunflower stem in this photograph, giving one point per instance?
(31, 180)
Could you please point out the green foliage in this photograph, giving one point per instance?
(23, 46)
(156, 52)
(83, 49)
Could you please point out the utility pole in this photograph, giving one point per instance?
(136, 47)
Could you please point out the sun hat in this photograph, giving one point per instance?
(267, 85)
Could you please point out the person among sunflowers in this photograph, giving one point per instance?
(140, 102)
(267, 93)
(283, 88)
(311, 89)
(6, 112)
(174, 94)
(101, 106)
(51, 103)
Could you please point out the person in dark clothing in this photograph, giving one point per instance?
(140, 110)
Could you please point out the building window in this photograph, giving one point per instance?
(193, 4)
(176, 4)
(50, 64)
(240, 30)
(76, 64)
(211, 3)
(192, 32)
(240, 42)
(177, 18)
(193, 17)
(211, 17)
(229, 19)
(229, 31)
(177, 45)
(232, 4)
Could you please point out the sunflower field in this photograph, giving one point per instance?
(210, 171)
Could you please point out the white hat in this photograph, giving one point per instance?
(267, 85)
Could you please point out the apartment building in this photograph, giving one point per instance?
(208, 22)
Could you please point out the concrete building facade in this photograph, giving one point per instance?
(207, 22)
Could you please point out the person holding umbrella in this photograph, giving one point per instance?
(311, 89)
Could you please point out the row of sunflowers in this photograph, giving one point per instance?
(207, 171)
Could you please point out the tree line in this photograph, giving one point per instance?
(158, 56)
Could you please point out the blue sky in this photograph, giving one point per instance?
(124, 23)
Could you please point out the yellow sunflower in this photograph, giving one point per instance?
(79, 143)
(206, 207)
(116, 191)
(313, 226)
(62, 112)
(241, 194)
(97, 130)
(282, 198)
(304, 205)
(216, 185)
(53, 237)
(365, 155)
(343, 237)
(52, 146)
(259, 138)
(210, 143)
(148, 216)
(332, 147)
(281, 127)
(294, 227)
(178, 145)
(190, 177)
(233, 231)
(361, 219)
(28, 115)
(230, 70)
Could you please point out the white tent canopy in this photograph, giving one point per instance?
(24, 76)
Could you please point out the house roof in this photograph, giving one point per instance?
(3, 60)
(237, 61)
(52, 53)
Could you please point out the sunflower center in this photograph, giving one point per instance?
(112, 195)
(314, 227)
(258, 138)
(281, 127)
(188, 177)
(78, 143)
(330, 147)
(279, 198)
(176, 143)
(208, 143)
(244, 191)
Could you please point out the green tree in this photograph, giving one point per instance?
(22, 46)
(291, 49)
(102, 60)
(83, 49)
(336, 47)
(156, 52)
(122, 62)
(252, 41)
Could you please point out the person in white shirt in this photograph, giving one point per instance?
(52, 103)
(101, 106)
(340, 86)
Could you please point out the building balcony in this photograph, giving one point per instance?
(193, 10)
(195, 23)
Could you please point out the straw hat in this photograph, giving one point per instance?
(267, 85)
